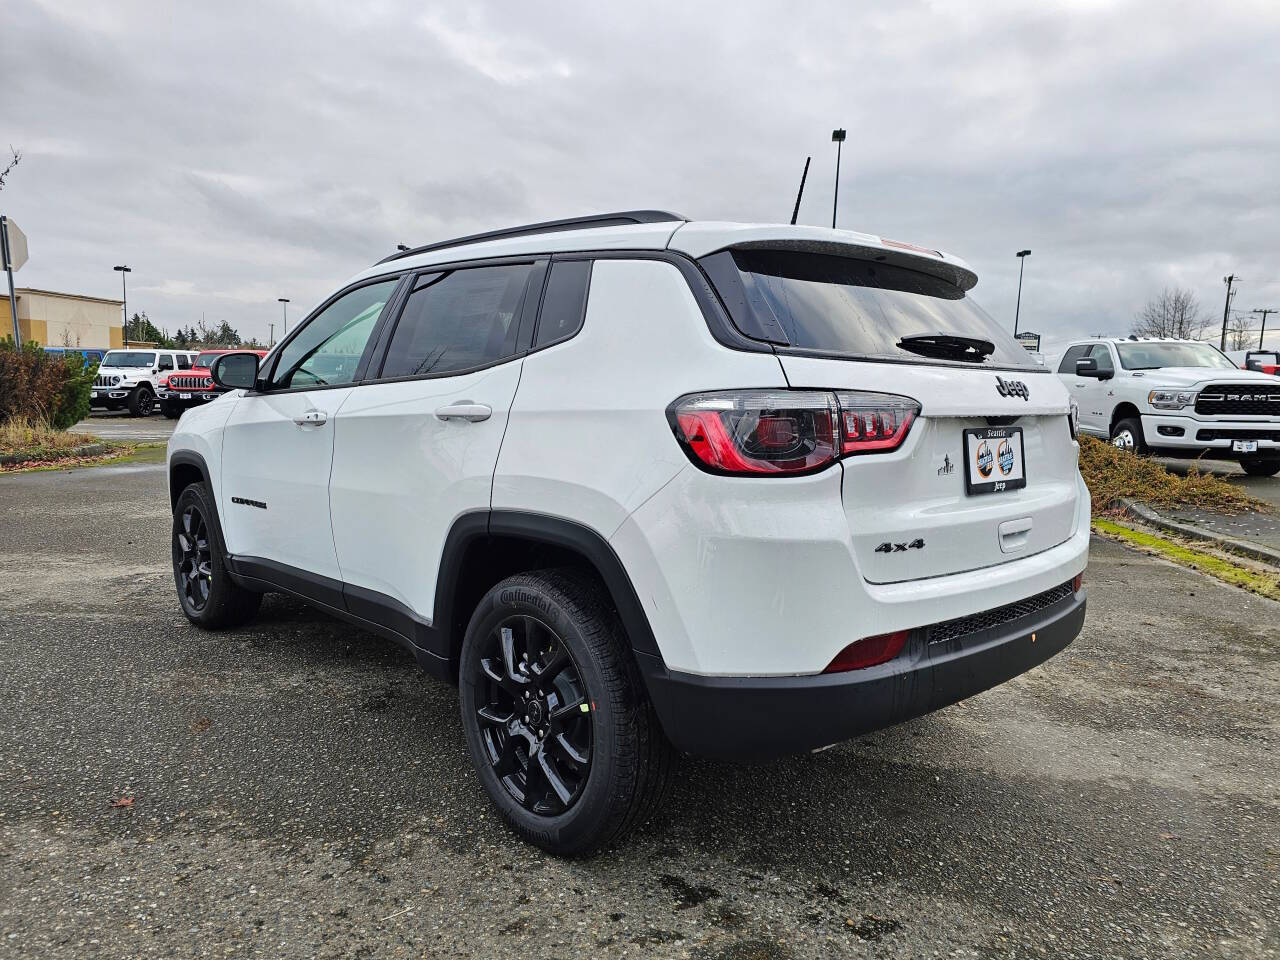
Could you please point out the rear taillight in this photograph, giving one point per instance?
(868, 652)
(754, 432)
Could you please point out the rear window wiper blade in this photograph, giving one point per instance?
(949, 346)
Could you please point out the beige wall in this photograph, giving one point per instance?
(64, 319)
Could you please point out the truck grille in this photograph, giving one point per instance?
(104, 381)
(1239, 399)
(190, 383)
(963, 626)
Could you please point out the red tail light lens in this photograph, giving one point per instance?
(743, 432)
(869, 651)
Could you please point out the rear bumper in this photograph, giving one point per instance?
(758, 718)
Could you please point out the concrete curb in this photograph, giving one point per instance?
(88, 450)
(1241, 548)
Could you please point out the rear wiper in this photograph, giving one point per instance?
(949, 346)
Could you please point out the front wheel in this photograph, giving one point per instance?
(1127, 435)
(171, 410)
(142, 401)
(206, 592)
(1261, 468)
(558, 724)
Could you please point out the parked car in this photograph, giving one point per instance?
(641, 485)
(131, 378)
(192, 387)
(90, 354)
(1180, 398)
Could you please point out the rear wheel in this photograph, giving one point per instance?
(206, 591)
(558, 724)
(142, 401)
(1261, 468)
(1127, 435)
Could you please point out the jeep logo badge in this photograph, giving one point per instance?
(1012, 388)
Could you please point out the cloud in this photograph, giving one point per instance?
(237, 152)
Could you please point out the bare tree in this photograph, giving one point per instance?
(1239, 336)
(1175, 313)
(17, 158)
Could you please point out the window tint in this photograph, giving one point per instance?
(1069, 358)
(458, 320)
(564, 303)
(1102, 353)
(166, 362)
(858, 308)
(327, 350)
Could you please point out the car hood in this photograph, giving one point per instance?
(1191, 376)
(123, 371)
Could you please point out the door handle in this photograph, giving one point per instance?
(312, 418)
(465, 410)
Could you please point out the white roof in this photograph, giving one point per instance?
(696, 239)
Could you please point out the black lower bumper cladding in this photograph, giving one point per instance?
(758, 718)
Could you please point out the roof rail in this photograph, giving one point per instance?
(548, 226)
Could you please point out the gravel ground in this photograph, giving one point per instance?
(300, 789)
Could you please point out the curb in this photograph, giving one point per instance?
(1241, 548)
(88, 450)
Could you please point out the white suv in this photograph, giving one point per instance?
(640, 485)
(1180, 398)
(132, 378)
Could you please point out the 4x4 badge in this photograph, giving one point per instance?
(1012, 388)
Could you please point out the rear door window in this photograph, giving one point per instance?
(458, 320)
(843, 307)
(564, 302)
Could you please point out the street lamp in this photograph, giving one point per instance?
(284, 315)
(837, 137)
(1022, 262)
(124, 295)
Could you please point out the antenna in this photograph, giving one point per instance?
(800, 193)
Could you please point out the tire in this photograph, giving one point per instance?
(142, 401)
(206, 592)
(1260, 468)
(585, 697)
(171, 410)
(1127, 435)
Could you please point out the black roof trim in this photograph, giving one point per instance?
(548, 226)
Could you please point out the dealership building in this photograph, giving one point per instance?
(65, 319)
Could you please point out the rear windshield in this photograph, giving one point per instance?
(857, 308)
(128, 358)
(1147, 355)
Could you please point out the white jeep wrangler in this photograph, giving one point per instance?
(1180, 398)
(640, 485)
(132, 378)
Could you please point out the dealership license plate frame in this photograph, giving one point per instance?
(996, 484)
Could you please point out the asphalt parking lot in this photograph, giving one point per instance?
(299, 789)
(118, 425)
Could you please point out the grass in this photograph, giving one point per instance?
(27, 443)
(1219, 567)
(1112, 473)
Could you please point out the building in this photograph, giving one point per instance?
(65, 319)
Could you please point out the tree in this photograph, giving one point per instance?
(1175, 313)
(141, 328)
(1239, 336)
(16, 159)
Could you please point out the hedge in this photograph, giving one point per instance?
(47, 387)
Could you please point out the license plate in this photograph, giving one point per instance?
(1244, 446)
(184, 396)
(993, 460)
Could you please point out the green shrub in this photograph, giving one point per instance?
(48, 387)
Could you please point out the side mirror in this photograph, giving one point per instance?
(1087, 367)
(235, 371)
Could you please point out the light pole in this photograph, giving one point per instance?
(1017, 310)
(124, 296)
(837, 137)
(271, 339)
(284, 314)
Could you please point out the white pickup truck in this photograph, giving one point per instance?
(1180, 398)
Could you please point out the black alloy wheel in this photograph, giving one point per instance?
(534, 715)
(192, 559)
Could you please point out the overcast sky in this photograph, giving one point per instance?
(236, 153)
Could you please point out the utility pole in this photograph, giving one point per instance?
(1226, 310)
(1264, 313)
